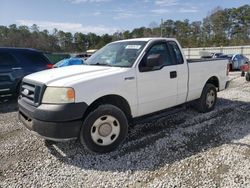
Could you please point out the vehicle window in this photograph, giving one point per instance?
(218, 55)
(35, 58)
(160, 49)
(7, 59)
(119, 54)
(241, 57)
(175, 50)
(236, 58)
(163, 51)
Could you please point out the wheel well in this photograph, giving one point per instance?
(214, 80)
(115, 100)
(230, 67)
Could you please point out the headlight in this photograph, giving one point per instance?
(57, 95)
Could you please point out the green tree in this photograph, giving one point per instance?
(221, 27)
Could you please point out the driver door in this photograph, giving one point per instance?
(157, 86)
(10, 71)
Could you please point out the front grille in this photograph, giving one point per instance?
(32, 92)
(4, 78)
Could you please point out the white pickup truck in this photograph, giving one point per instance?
(123, 80)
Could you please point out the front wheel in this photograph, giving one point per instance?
(104, 129)
(208, 99)
(248, 76)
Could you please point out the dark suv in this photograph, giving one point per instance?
(15, 63)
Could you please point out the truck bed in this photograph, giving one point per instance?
(204, 60)
(200, 70)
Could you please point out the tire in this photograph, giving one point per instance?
(230, 67)
(248, 76)
(104, 129)
(207, 100)
(48, 142)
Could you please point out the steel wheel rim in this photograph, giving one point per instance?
(105, 130)
(210, 98)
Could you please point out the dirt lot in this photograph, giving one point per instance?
(187, 149)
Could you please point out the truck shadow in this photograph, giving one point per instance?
(165, 140)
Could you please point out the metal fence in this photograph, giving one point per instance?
(196, 52)
(55, 57)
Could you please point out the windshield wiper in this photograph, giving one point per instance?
(101, 64)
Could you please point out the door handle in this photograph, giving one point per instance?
(129, 78)
(16, 68)
(173, 74)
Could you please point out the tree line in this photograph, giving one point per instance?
(221, 27)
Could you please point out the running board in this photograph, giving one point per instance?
(158, 115)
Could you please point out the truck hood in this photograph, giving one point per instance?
(67, 75)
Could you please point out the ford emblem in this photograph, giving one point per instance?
(26, 92)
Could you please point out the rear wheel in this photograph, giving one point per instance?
(104, 129)
(208, 99)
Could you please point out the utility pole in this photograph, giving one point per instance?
(162, 27)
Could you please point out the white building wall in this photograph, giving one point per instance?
(194, 53)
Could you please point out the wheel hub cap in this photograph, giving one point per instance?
(210, 98)
(105, 129)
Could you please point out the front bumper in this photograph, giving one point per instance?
(53, 121)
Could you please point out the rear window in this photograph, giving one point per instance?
(36, 58)
(7, 59)
(174, 49)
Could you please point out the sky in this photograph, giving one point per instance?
(105, 16)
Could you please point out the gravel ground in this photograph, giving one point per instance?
(187, 149)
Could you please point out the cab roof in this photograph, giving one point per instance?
(145, 39)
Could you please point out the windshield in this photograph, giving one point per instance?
(119, 54)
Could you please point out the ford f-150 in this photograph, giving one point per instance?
(121, 81)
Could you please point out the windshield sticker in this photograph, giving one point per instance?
(135, 47)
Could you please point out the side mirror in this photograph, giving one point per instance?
(153, 60)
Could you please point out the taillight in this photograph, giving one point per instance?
(49, 66)
(244, 67)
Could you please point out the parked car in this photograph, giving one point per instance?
(84, 56)
(208, 55)
(69, 62)
(245, 71)
(91, 51)
(15, 63)
(236, 60)
(123, 80)
(55, 57)
(248, 76)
